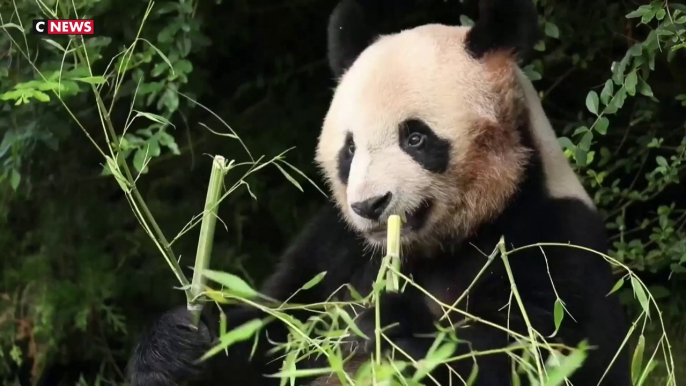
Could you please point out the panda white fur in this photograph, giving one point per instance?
(436, 123)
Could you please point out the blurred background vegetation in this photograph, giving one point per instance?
(80, 279)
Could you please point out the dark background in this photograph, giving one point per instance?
(79, 279)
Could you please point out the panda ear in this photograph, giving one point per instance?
(504, 25)
(350, 31)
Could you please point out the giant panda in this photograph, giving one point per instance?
(436, 123)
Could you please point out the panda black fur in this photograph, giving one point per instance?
(437, 123)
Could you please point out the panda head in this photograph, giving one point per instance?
(424, 123)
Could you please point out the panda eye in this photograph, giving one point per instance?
(351, 148)
(415, 140)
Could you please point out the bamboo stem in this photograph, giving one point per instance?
(520, 303)
(148, 218)
(393, 251)
(206, 238)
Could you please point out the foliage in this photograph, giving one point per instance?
(611, 78)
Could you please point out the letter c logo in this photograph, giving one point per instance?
(39, 26)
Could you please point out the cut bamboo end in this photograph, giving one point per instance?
(393, 235)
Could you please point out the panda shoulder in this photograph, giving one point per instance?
(561, 180)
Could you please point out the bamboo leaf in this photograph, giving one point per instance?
(162, 55)
(351, 323)
(55, 44)
(558, 315)
(640, 294)
(289, 177)
(567, 366)
(92, 79)
(314, 281)
(154, 117)
(239, 334)
(616, 287)
(232, 282)
(637, 360)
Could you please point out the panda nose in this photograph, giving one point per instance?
(372, 208)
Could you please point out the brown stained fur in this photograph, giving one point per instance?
(494, 164)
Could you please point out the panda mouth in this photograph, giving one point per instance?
(414, 221)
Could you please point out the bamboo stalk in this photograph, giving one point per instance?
(393, 251)
(206, 238)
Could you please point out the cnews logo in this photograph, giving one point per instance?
(63, 27)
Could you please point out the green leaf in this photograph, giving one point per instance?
(592, 102)
(351, 323)
(314, 281)
(630, 83)
(162, 55)
(158, 70)
(658, 291)
(606, 94)
(660, 14)
(640, 294)
(581, 156)
(642, 10)
(232, 282)
(154, 117)
(15, 178)
(565, 143)
(585, 142)
(644, 88)
(139, 159)
(616, 287)
(92, 79)
(302, 373)
(637, 360)
(552, 30)
(239, 334)
(113, 168)
(12, 25)
(602, 125)
(618, 69)
(289, 177)
(183, 66)
(568, 365)
(531, 73)
(41, 96)
(558, 315)
(466, 21)
(153, 148)
(55, 44)
(434, 359)
(165, 138)
(652, 364)
(473, 375)
(636, 49)
(647, 17)
(661, 161)
(580, 130)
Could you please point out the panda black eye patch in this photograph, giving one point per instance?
(345, 158)
(424, 146)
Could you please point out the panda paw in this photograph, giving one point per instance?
(169, 352)
(402, 317)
